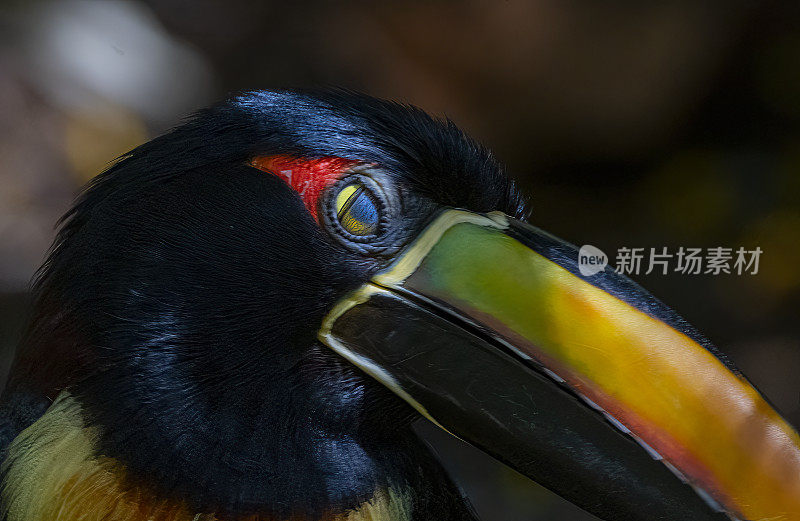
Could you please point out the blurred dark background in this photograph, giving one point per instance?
(631, 124)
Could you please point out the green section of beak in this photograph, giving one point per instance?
(486, 326)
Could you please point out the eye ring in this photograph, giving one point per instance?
(358, 209)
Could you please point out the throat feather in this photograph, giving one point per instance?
(53, 473)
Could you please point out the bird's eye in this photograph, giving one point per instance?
(357, 210)
(362, 211)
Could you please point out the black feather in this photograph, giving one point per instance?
(182, 297)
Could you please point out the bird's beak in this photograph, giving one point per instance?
(586, 384)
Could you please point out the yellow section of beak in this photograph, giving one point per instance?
(669, 391)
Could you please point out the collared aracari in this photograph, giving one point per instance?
(240, 320)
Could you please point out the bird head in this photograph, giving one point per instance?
(254, 306)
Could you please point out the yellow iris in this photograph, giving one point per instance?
(357, 210)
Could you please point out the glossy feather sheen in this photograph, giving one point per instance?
(182, 297)
(53, 474)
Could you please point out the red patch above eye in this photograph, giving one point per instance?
(307, 177)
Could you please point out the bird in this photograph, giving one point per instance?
(242, 319)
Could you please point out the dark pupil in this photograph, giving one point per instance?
(359, 214)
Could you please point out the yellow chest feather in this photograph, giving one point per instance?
(52, 473)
